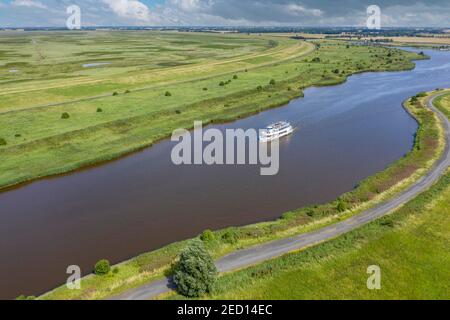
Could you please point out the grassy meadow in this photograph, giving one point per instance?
(68, 100)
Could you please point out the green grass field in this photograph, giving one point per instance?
(410, 246)
(42, 77)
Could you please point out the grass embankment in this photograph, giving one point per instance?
(150, 266)
(40, 143)
(410, 246)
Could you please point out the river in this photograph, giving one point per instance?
(142, 202)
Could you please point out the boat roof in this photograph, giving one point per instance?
(279, 124)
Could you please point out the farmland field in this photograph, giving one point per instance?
(68, 100)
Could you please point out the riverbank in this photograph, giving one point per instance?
(46, 145)
(374, 190)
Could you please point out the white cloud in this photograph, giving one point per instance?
(29, 3)
(130, 9)
(295, 9)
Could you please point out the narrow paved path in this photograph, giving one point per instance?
(244, 258)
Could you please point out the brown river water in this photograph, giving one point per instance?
(143, 202)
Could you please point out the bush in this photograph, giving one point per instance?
(272, 82)
(207, 236)
(99, 110)
(65, 115)
(222, 83)
(341, 206)
(127, 91)
(195, 273)
(168, 94)
(259, 88)
(102, 267)
(116, 270)
(115, 94)
(23, 297)
(235, 77)
(17, 135)
(230, 236)
(3, 142)
(205, 89)
(178, 112)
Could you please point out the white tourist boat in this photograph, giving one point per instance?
(275, 131)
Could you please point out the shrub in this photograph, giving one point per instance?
(259, 88)
(421, 95)
(65, 115)
(388, 222)
(168, 94)
(23, 297)
(102, 267)
(205, 89)
(127, 91)
(235, 77)
(116, 270)
(3, 142)
(17, 135)
(341, 206)
(195, 273)
(115, 93)
(222, 83)
(207, 236)
(230, 236)
(178, 112)
(99, 110)
(272, 82)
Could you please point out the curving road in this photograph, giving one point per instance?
(244, 258)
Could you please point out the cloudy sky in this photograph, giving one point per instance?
(395, 13)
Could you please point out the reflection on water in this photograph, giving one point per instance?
(143, 202)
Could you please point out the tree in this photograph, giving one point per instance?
(195, 273)
(207, 236)
(102, 267)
